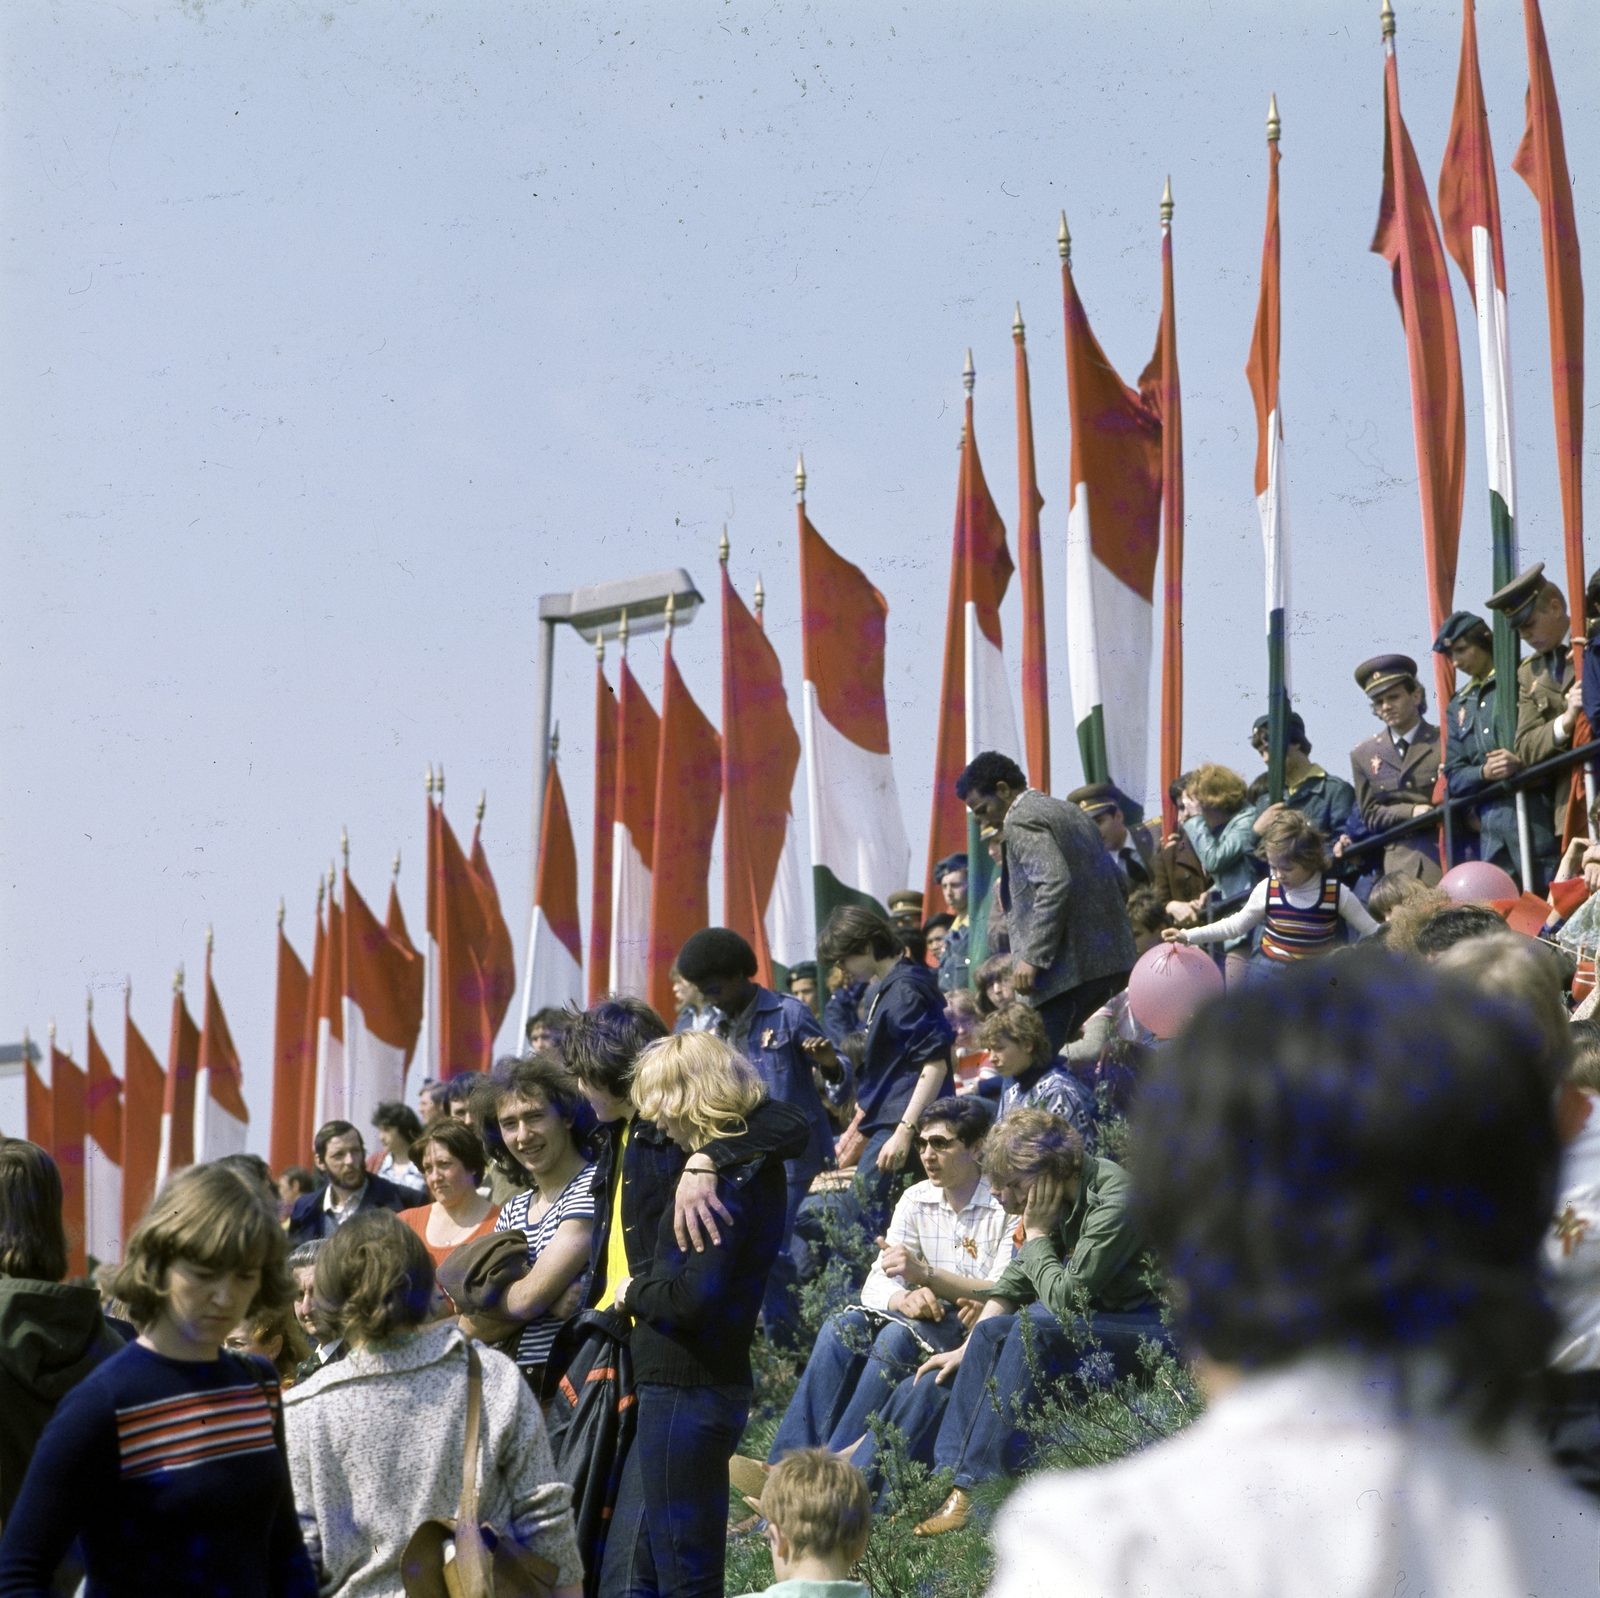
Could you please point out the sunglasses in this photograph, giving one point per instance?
(938, 1144)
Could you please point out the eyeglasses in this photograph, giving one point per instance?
(938, 1144)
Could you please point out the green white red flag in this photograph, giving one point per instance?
(555, 941)
(382, 1008)
(102, 1153)
(221, 1121)
(1030, 578)
(143, 1088)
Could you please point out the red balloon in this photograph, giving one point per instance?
(1170, 982)
(1474, 881)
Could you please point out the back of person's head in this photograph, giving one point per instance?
(984, 774)
(483, 1114)
(300, 1179)
(820, 1503)
(550, 1019)
(1215, 787)
(1296, 841)
(1358, 1157)
(327, 1132)
(961, 1006)
(393, 1116)
(941, 922)
(459, 1090)
(33, 1240)
(256, 1168)
(304, 1255)
(1017, 1023)
(213, 1217)
(1455, 924)
(853, 930)
(374, 1278)
(715, 952)
(457, 1139)
(966, 1117)
(603, 1042)
(697, 1079)
(1393, 889)
(1583, 1070)
(1147, 911)
(1030, 1143)
(1512, 967)
(853, 1047)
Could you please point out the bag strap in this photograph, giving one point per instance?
(472, 1558)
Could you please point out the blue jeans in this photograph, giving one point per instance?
(669, 1530)
(865, 1203)
(780, 1304)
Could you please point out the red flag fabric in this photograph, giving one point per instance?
(1408, 240)
(1541, 163)
(143, 1090)
(605, 805)
(383, 984)
(394, 920)
(38, 1101)
(222, 1123)
(466, 1036)
(495, 958)
(1162, 394)
(102, 1163)
(177, 1106)
(688, 790)
(68, 1116)
(633, 836)
(760, 755)
(290, 1057)
(1030, 576)
(555, 952)
(313, 1018)
(980, 572)
(327, 1097)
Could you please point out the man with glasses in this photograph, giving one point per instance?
(947, 1241)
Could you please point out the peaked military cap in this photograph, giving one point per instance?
(1382, 672)
(1294, 733)
(1457, 625)
(1095, 798)
(1516, 600)
(908, 898)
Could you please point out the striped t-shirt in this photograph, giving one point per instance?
(573, 1203)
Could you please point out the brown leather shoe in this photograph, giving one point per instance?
(952, 1515)
(747, 1476)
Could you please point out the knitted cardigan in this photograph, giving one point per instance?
(375, 1448)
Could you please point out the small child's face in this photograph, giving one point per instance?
(1288, 871)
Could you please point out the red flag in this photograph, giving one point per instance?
(38, 1100)
(177, 1106)
(688, 789)
(221, 1123)
(307, 1125)
(555, 942)
(67, 1131)
(328, 1074)
(383, 983)
(1541, 163)
(289, 1055)
(1030, 574)
(456, 924)
(1160, 390)
(605, 804)
(394, 920)
(1407, 238)
(633, 836)
(102, 1154)
(495, 958)
(760, 755)
(975, 700)
(143, 1090)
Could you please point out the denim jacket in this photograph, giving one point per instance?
(778, 1026)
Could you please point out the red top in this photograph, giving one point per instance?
(417, 1220)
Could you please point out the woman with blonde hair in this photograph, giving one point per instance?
(377, 1442)
(694, 1314)
(165, 1462)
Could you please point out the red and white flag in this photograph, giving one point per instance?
(37, 1105)
(290, 1055)
(383, 981)
(859, 850)
(221, 1121)
(68, 1133)
(177, 1104)
(102, 1165)
(328, 1075)
(497, 962)
(143, 1089)
(605, 804)
(313, 1027)
(688, 793)
(633, 836)
(1030, 577)
(555, 941)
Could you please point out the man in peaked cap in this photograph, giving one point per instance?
(1132, 849)
(951, 875)
(1395, 770)
(905, 909)
(1327, 802)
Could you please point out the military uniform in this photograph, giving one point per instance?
(1135, 859)
(1395, 775)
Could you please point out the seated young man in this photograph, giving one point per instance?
(1082, 1250)
(949, 1239)
(1035, 1079)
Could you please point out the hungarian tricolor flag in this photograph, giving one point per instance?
(1113, 538)
(68, 1129)
(605, 804)
(102, 1166)
(1030, 576)
(473, 979)
(1262, 371)
(177, 1104)
(975, 699)
(327, 1094)
(633, 829)
(1408, 240)
(36, 1109)
(760, 755)
(290, 1056)
(555, 941)
(859, 851)
(383, 980)
(221, 1121)
(688, 792)
(1469, 217)
(143, 1088)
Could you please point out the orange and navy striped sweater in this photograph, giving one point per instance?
(170, 1473)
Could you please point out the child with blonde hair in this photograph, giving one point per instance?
(819, 1516)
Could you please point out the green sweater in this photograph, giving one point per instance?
(1096, 1248)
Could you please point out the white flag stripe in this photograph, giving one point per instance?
(791, 911)
(1083, 648)
(374, 1071)
(1494, 356)
(102, 1185)
(329, 1099)
(630, 916)
(555, 979)
(991, 719)
(215, 1131)
(1126, 624)
(1275, 523)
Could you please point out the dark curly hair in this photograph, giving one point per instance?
(1359, 1156)
(603, 1043)
(985, 771)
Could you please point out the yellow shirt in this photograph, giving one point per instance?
(616, 1247)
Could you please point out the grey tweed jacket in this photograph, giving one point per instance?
(1060, 901)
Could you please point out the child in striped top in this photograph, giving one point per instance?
(166, 1462)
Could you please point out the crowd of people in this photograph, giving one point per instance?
(509, 1350)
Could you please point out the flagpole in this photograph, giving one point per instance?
(1277, 621)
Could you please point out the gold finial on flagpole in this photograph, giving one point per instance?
(1274, 126)
(428, 780)
(761, 600)
(208, 937)
(333, 877)
(177, 978)
(1386, 18)
(280, 912)
(1017, 329)
(722, 548)
(1064, 242)
(555, 741)
(1166, 203)
(600, 648)
(52, 1032)
(672, 609)
(438, 782)
(483, 803)
(968, 375)
(88, 996)
(344, 846)
(622, 634)
(394, 869)
(321, 888)
(800, 477)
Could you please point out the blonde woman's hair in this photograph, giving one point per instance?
(1506, 965)
(696, 1078)
(211, 1216)
(1031, 1143)
(819, 1502)
(1017, 1023)
(1215, 787)
(374, 1278)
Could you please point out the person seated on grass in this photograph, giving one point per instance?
(1035, 1079)
(1348, 1176)
(948, 1240)
(818, 1519)
(1080, 1283)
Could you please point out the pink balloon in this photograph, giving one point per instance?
(1474, 881)
(1170, 982)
